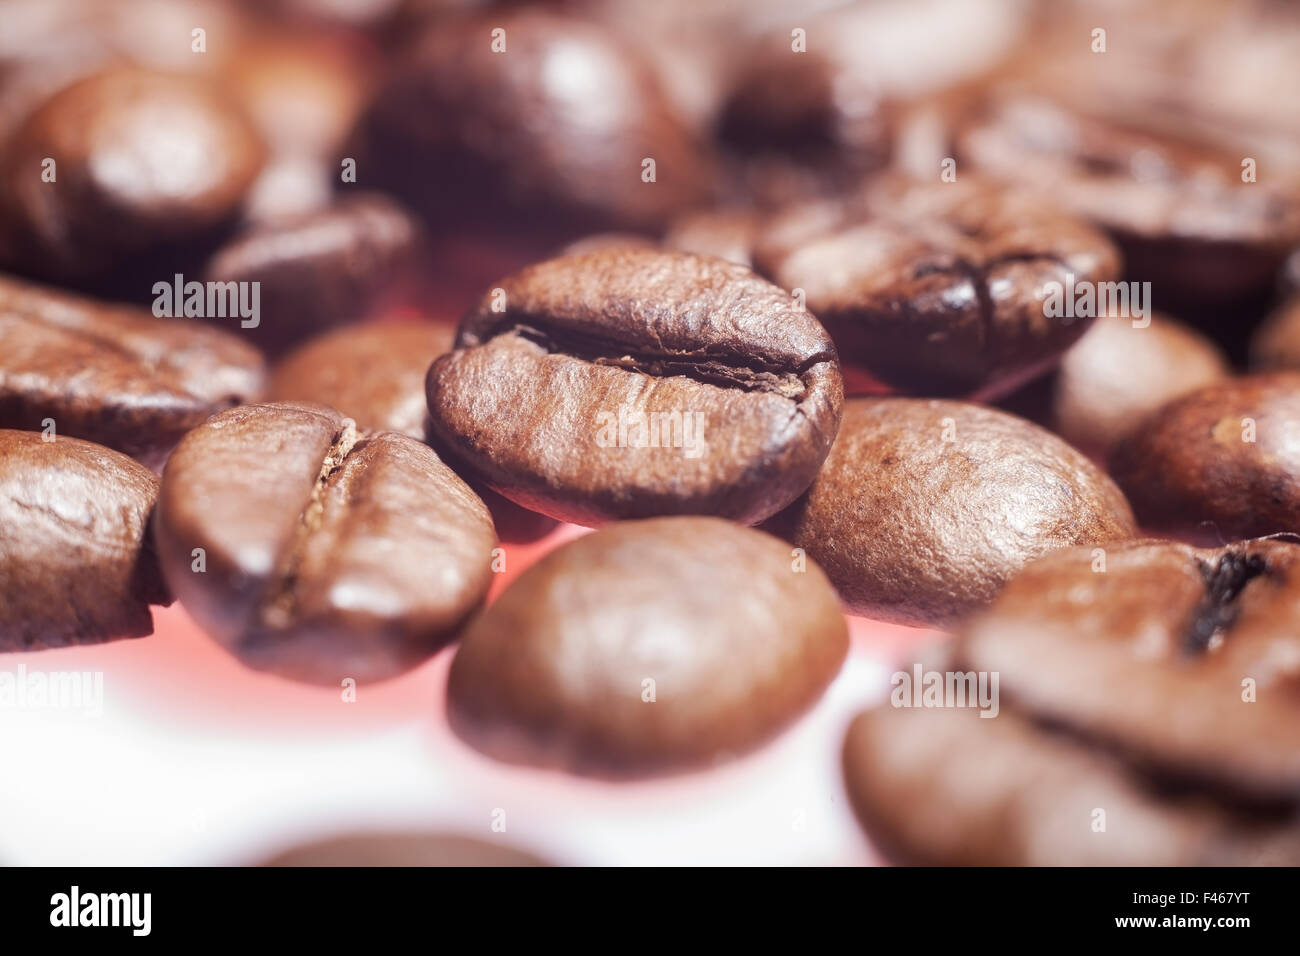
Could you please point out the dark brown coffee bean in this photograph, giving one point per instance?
(482, 125)
(316, 552)
(614, 656)
(1180, 658)
(76, 559)
(925, 509)
(726, 233)
(944, 787)
(1220, 462)
(375, 375)
(1117, 374)
(633, 383)
(140, 159)
(403, 849)
(1180, 211)
(113, 374)
(1276, 343)
(323, 269)
(939, 288)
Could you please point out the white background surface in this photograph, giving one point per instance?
(197, 760)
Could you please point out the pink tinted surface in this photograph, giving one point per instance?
(197, 760)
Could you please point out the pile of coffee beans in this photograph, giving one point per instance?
(941, 314)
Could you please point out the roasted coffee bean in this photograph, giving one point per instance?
(726, 233)
(942, 288)
(119, 164)
(403, 849)
(632, 383)
(1221, 462)
(49, 44)
(304, 91)
(375, 375)
(305, 94)
(940, 786)
(323, 269)
(614, 656)
(1117, 374)
(76, 558)
(543, 126)
(1180, 658)
(372, 373)
(113, 374)
(600, 241)
(1181, 213)
(925, 509)
(811, 114)
(316, 552)
(1276, 343)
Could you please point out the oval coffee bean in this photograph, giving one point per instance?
(1117, 374)
(726, 233)
(632, 383)
(318, 553)
(403, 849)
(113, 374)
(76, 559)
(141, 159)
(1181, 658)
(374, 374)
(943, 288)
(925, 509)
(615, 656)
(322, 269)
(1176, 206)
(1220, 462)
(480, 122)
(941, 787)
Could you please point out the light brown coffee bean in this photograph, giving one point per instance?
(925, 509)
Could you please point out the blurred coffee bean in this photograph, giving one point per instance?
(938, 786)
(600, 241)
(1144, 647)
(289, 188)
(121, 164)
(726, 233)
(325, 553)
(547, 124)
(76, 556)
(613, 656)
(375, 374)
(819, 97)
(95, 33)
(1221, 462)
(925, 509)
(1117, 374)
(304, 92)
(372, 373)
(113, 374)
(403, 849)
(633, 383)
(939, 288)
(1180, 211)
(323, 269)
(1276, 343)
